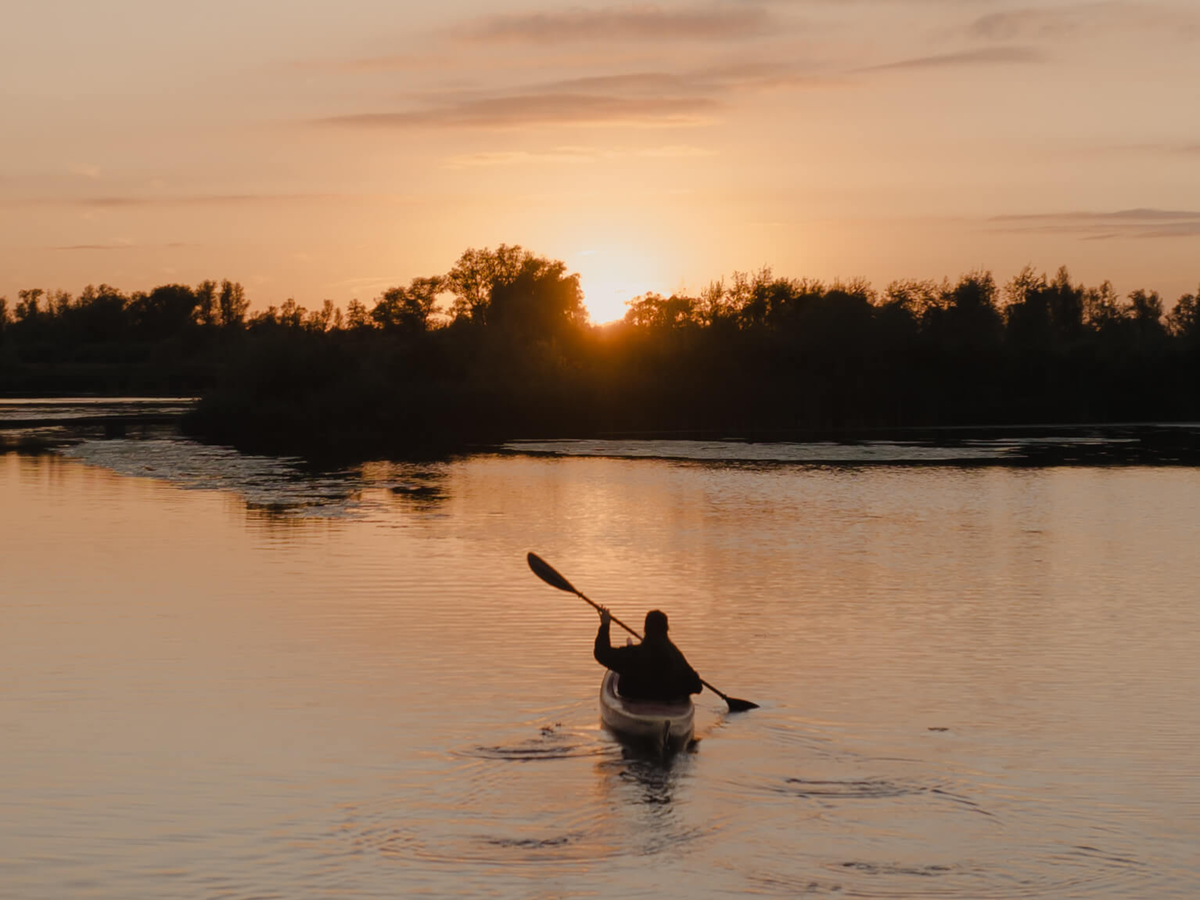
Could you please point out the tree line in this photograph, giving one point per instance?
(500, 346)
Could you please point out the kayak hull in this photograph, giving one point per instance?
(663, 725)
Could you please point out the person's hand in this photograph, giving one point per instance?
(605, 616)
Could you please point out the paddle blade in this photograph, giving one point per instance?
(548, 573)
(736, 705)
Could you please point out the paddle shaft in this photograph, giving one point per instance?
(554, 578)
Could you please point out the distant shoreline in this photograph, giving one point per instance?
(757, 357)
(1027, 444)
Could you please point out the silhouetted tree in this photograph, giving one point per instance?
(264, 318)
(232, 305)
(1029, 327)
(27, 305)
(1066, 302)
(1146, 313)
(291, 314)
(540, 301)
(915, 298)
(163, 312)
(652, 311)
(710, 307)
(753, 298)
(207, 311)
(58, 304)
(1101, 307)
(327, 318)
(357, 317)
(1183, 321)
(477, 273)
(968, 321)
(102, 314)
(408, 309)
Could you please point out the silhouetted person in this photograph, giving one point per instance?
(655, 669)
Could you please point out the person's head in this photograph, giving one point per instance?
(656, 623)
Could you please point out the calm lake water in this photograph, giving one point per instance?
(221, 676)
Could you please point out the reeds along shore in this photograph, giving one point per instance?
(500, 347)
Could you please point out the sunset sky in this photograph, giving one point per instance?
(317, 150)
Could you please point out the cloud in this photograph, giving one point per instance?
(118, 202)
(1146, 223)
(94, 247)
(986, 56)
(136, 201)
(1084, 18)
(710, 80)
(122, 245)
(525, 110)
(642, 99)
(630, 23)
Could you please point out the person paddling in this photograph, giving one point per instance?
(655, 669)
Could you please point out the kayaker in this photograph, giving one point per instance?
(655, 669)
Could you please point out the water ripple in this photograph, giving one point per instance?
(551, 744)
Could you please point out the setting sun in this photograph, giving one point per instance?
(610, 278)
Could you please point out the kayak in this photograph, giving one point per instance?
(665, 725)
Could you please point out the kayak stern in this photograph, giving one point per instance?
(666, 726)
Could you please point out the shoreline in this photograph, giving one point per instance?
(1174, 443)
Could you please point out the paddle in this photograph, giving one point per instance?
(551, 576)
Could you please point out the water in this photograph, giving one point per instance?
(223, 676)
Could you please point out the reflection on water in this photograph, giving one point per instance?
(818, 452)
(231, 676)
(279, 486)
(82, 408)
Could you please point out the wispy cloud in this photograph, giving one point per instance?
(654, 99)
(630, 23)
(1127, 223)
(525, 110)
(986, 56)
(141, 201)
(118, 246)
(707, 81)
(133, 200)
(121, 245)
(1065, 22)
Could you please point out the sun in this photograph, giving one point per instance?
(611, 279)
(606, 301)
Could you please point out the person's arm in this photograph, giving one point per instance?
(688, 676)
(606, 654)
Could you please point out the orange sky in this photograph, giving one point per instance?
(318, 150)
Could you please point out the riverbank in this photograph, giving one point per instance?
(33, 425)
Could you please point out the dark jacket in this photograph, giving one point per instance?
(651, 670)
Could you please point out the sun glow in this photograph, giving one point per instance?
(610, 279)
